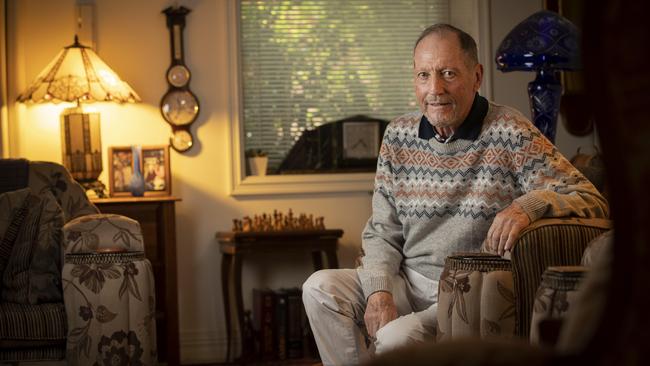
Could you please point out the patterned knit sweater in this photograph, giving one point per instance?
(433, 199)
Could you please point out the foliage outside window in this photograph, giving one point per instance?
(306, 63)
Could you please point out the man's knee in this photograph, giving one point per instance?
(316, 283)
(315, 286)
(400, 332)
(333, 289)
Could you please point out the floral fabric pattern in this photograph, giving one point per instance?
(120, 349)
(475, 302)
(554, 297)
(110, 297)
(130, 315)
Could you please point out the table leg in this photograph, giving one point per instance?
(237, 265)
(317, 258)
(332, 260)
(226, 262)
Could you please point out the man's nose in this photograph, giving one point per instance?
(436, 85)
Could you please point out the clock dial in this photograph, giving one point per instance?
(178, 76)
(181, 140)
(179, 107)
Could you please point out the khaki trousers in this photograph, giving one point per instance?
(335, 305)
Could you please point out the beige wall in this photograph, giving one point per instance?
(132, 38)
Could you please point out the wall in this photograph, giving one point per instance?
(132, 38)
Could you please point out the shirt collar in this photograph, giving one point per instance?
(470, 129)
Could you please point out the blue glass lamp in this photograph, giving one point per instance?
(545, 43)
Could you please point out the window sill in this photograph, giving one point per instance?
(303, 183)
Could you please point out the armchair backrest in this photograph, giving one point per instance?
(547, 242)
(69, 194)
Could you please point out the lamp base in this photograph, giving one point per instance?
(95, 186)
(81, 144)
(544, 94)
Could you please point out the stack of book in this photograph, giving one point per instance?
(280, 327)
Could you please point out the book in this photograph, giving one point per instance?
(264, 323)
(281, 322)
(295, 323)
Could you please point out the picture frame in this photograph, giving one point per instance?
(360, 140)
(155, 170)
(120, 170)
(154, 167)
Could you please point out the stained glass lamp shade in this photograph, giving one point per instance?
(545, 43)
(77, 74)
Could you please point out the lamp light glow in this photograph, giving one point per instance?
(78, 74)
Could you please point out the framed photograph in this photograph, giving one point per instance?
(120, 170)
(361, 140)
(155, 170)
(154, 167)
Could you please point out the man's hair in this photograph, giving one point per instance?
(467, 43)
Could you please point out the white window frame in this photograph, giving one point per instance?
(470, 15)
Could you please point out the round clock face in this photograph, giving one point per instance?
(178, 76)
(181, 140)
(179, 107)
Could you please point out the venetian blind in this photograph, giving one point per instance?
(310, 62)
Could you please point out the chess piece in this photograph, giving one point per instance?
(247, 224)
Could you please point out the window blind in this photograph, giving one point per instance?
(310, 62)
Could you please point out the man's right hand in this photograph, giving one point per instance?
(380, 310)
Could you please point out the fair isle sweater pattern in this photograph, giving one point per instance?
(432, 199)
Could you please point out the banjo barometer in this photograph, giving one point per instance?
(179, 106)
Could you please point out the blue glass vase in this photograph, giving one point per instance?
(137, 180)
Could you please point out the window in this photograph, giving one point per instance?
(285, 77)
(305, 63)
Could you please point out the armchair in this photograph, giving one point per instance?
(481, 297)
(75, 286)
(545, 243)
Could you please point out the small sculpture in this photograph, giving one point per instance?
(278, 222)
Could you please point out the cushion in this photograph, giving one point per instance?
(55, 178)
(583, 319)
(45, 267)
(596, 248)
(33, 271)
(32, 322)
(12, 214)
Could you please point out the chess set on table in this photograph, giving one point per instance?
(278, 222)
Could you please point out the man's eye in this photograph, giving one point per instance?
(448, 74)
(423, 75)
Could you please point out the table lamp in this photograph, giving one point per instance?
(77, 74)
(545, 43)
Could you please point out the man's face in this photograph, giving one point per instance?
(445, 79)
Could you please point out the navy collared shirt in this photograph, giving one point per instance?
(468, 130)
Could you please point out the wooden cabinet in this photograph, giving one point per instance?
(157, 219)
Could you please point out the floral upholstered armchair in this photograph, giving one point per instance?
(490, 297)
(75, 286)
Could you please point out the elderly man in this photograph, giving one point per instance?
(459, 173)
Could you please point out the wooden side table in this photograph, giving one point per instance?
(157, 219)
(235, 245)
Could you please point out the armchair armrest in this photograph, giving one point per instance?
(108, 291)
(100, 233)
(547, 242)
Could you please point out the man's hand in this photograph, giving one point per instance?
(380, 310)
(505, 228)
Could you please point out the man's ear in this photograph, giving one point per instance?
(478, 74)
